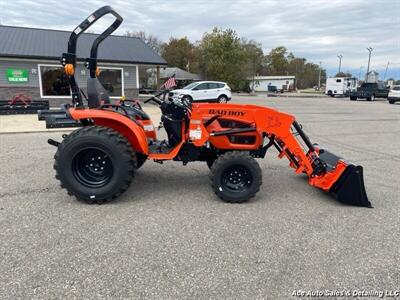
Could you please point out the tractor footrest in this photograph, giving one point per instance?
(160, 147)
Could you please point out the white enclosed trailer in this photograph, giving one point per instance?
(340, 86)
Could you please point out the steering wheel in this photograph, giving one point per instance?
(182, 104)
(156, 99)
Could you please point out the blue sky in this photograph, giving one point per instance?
(316, 30)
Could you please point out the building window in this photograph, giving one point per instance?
(53, 81)
(112, 81)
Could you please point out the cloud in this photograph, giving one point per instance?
(316, 30)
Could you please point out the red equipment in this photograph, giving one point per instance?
(22, 104)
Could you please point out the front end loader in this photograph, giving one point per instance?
(97, 162)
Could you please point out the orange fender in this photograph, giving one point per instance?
(120, 123)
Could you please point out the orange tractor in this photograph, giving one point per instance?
(97, 162)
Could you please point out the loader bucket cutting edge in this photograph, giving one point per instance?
(350, 189)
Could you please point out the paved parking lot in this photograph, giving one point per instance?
(170, 237)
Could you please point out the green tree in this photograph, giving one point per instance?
(254, 57)
(179, 53)
(222, 56)
(276, 61)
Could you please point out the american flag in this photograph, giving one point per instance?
(170, 83)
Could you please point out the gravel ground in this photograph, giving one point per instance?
(170, 237)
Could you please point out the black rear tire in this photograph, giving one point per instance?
(95, 164)
(236, 177)
(353, 98)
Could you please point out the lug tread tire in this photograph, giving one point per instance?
(126, 154)
(235, 157)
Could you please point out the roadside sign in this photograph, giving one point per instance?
(17, 75)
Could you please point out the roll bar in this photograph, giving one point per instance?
(68, 60)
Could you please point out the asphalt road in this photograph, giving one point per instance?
(169, 236)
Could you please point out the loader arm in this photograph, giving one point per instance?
(324, 169)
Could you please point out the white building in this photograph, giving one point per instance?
(282, 83)
(372, 76)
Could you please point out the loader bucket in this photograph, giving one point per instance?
(349, 188)
(346, 185)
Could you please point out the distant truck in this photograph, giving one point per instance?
(370, 91)
(340, 86)
(274, 89)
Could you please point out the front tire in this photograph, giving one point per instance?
(187, 99)
(352, 98)
(95, 164)
(236, 177)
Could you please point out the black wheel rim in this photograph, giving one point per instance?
(92, 167)
(236, 179)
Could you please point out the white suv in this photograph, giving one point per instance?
(394, 94)
(204, 91)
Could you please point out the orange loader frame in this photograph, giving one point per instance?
(263, 123)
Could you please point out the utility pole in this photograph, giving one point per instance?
(387, 66)
(319, 77)
(340, 56)
(359, 73)
(369, 60)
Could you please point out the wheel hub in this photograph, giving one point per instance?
(236, 179)
(92, 167)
